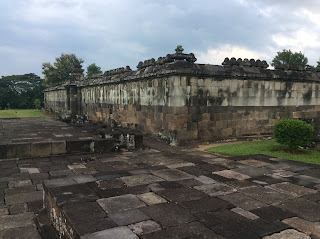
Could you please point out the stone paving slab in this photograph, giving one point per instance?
(164, 192)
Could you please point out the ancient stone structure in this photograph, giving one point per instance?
(181, 100)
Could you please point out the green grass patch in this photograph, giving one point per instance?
(270, 148)
(21, 114)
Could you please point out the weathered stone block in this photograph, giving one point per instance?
(40, 149)
(105, 145)
(58, 147)
(3, 151)
(78, 146)
(18, 150)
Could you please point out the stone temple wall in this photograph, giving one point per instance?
(176, 98)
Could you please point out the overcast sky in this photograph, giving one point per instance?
(116, 33)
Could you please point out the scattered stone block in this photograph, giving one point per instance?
(209, 204)
(128, 217)
(304, 208)
(217, 189)
(265, 195)
(291, 189)
(160, 212)
(243, 201)
(120, 203)
(182, 194)
(244, 213)
(172, 174)
(151, 198)
(84, 178)
(309, 228)
(290, 233)
(59, 182)
(23, 197)
(83, 212)
(232, 174)
(145, 227)
(254, 163)
(140, 179)
(205, 180)
(114, 233)
(15, 221)
(29, 170)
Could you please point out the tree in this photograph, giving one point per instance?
(93, 69)
(61, 70)
(288, 57)
(20, 91)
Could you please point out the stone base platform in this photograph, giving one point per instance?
(165, 192)
(33, 137)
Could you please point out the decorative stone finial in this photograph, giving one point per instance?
(179, 49)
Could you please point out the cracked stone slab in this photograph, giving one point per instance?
(84, 212)
(140, 179)
(243, 201)
(304, 226)
(114, 233)
(160, 212)
(291, 189)
(245, 213)
(254, 163)
(128, 217)
(289, 233)
(120, 203)
(59, 182)
(84, 178)
(217, 189)
(29, 170)
(304, 208)
(272, 213)
(18, 220)
(25, 232)
(145, 227)
(205, 180)
(16, 184)
(151, 198)
(24, 197)
(253, 171)
(283, 174)
(265, 195)
(232, 174)
(180, 165)
(172, 174)
(182, 194)
(209, 204)
(192, 230)
(76, 166)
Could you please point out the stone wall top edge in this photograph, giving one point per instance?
(183, 68)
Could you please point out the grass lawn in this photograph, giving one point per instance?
(21, 114)
(270, 148)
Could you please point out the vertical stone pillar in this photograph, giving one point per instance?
(73, 101)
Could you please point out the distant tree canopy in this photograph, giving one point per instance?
(20, 91)
(61, 70)
(288, 57)
(93, 69)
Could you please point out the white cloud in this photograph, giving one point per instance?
(297, 40)
(217, 56)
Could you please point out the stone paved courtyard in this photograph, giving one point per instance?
(162, 192)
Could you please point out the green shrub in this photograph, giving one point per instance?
(293, 133)
(37, 104)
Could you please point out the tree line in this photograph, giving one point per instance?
(26, 91)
